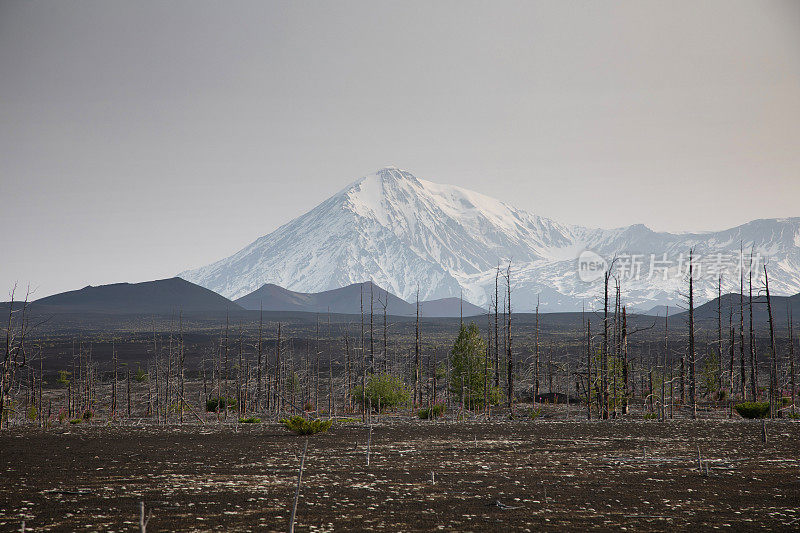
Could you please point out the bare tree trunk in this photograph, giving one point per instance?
(227, 393)
(791, 356)
(417, 392)
(496, 330)
(604, 351)
(588, 369)
(664, 366)
(114, 383)
(624, 349)
(277, 386)
(773, 375)
(753, 362)
(719, 333)
(510, 354)
(692, 382)
(385, 335)
(182, 361)
(536, 367)
(260, 349)
(371, 330)
(732, 365)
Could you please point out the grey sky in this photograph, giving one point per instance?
(140, 139)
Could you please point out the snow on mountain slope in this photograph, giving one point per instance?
(403, 232)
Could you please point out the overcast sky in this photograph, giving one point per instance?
(140, 139)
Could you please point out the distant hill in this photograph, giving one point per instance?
(449, 307)
(348, 300)
(780, 305)
(150, 297)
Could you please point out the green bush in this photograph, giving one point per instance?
(535, 413)
(650, 416)
(752, 409)
(32, 414)
(786, 401)
(384, 390)
(250, 420)
(434, 411)
(301, 426)
(221, 402)
(76, 421)
(140, 376)
(88, 415)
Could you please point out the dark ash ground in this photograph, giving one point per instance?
(520, 476)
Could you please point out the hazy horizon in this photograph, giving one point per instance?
(138, 140)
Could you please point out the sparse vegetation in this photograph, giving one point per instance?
(384, 391)
(303, 426)
(221, 403)
(752, 409)
(434, 411)
(250, 420)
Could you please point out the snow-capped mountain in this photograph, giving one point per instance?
(403, 232)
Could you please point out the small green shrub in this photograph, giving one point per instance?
(434, 411)
(76, 421)
(535, 413)
(384, 390)
(32, 414)
(302, 426)
(87, 415)
(752, 409)
(141, 376)
(250, 420)
(650, 416)
(221, 402)
(786, 401)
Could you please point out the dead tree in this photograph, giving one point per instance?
(260, 397)
(371, 335)
(385, 333)
(277, 385)
(114, 383)
(664, 366)
(182, 363)
(604, 350)
(719, 332)
(753, 369)
(536, 367)
(791, 355)
(227, 393)
(417, 391)
(732, 354)
(773, 374)
(692, 381)
(508, 345)
(588, 369)
(348, 372)
(743, 373)
(14, 356)
(624, 350)
(496, 330)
